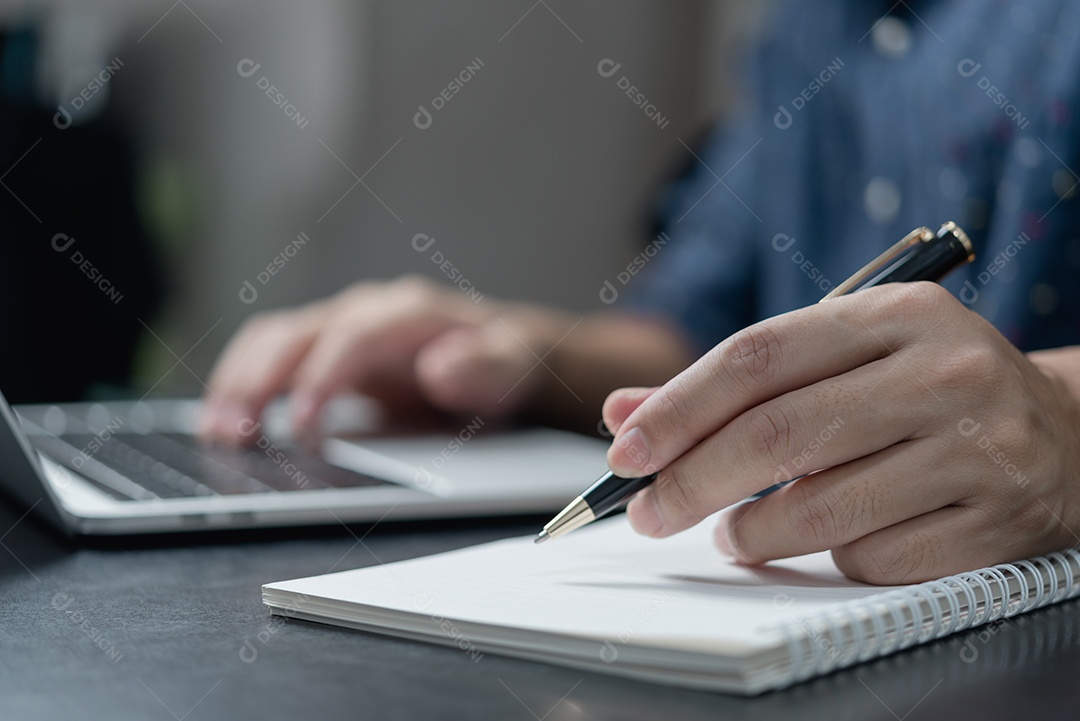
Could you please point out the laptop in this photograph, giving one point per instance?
(138, 468)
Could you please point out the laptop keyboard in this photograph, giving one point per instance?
(177, 465)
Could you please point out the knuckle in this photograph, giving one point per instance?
(674, 418)
(1011, 437)
(914, 559)
(856, 562)
(415, 287)
(814, 517)
(357, 291)
(974, 365)
(405, 291)
(275, 326)
(982, 362)
(771, 433)
(752, 356)
(923, 298)
(1027, 517)
(680, 498)
(969, 374)
(343, 321)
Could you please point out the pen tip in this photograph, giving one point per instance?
(543, 536)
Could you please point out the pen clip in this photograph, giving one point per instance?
(878, 264)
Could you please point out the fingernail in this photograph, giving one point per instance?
(630, 453)
(723, 537)
(644, 514)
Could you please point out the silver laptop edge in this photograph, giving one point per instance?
(418, 488)
(22, 476)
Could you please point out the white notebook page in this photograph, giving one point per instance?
(602, 582)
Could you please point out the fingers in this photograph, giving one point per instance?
(365, 337)
(256, 366)
(768, 359)
(353, 349)
(371, 342)
(826, 424)
(841, 505)
(945, 542)
(621, 403)
(483, 370)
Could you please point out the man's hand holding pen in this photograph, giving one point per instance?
(949, 449)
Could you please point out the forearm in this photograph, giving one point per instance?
(602, 352)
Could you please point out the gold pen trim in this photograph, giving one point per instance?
(574, 516)
(880, 263)
(868, 271)
(956, 230)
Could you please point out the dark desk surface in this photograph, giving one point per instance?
(177, 631)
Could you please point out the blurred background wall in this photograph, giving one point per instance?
(531, 169)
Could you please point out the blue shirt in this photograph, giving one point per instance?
(859, 127)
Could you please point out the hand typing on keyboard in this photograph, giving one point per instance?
(414, 345)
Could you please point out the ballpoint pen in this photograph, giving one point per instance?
(920, 255)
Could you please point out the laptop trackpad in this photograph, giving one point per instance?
(507, 463)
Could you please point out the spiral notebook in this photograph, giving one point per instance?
(670, 611)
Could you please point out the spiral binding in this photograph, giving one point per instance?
(866, 628)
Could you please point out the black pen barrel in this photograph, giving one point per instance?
(610, 491)
(934, 259)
